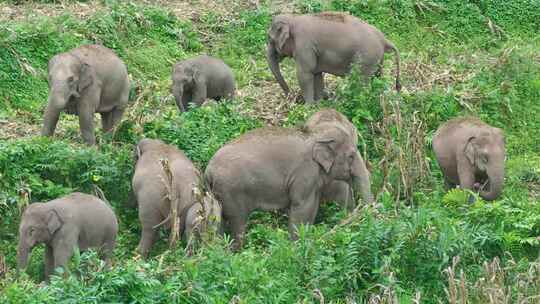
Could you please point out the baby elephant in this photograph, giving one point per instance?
(149, 187)
(201, 77)
(471, 154)
(76, 220)
(203, 216)
(87, 80)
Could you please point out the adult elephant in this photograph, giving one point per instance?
(83, 81)
(275, 168)
(338, 190)
(328, 42)
(471, 154)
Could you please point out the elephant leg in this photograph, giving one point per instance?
(238, 230)
(117, 114)
(186, 99)
(107, 252)
(199, 93)
(307, 85)
(49, 261)
(63, 250)
(339, 192)
(303, 210)
(87, 106)
(319, 86)
(106, 121)
(148, 238)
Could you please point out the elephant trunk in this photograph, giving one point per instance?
(55, 104)
(23, 252)
(273, 59)
(496, 181)
(360, 179)
(177, 92)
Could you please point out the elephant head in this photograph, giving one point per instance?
(146, 144)
(68, 78)
(279, 45)
(486, 154)
(184, 78)
(335, 153)
(38, 225)
(329, 118)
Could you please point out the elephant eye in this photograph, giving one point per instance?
(31, 230)
(70, 79)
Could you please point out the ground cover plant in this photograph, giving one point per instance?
(421, 245)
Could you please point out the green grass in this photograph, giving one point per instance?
(454, 63)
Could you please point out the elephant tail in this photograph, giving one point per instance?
(389, 46)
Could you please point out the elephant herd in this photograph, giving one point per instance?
(269, 168)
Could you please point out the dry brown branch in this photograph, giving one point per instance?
(172, 196)
(404, 149)
(3, 266)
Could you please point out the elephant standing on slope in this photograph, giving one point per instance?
(471, 154)
(201, 77)
(275, 168)
(328, 42)
(83, 81)
(150, 191)
(76, 220)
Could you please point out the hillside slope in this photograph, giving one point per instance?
(423, 244)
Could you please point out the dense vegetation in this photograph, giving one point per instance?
(422, 244)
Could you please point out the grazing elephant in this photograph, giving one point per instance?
(203, 216)
(149, 187)
(201, 77)
(328, 42)
(83, 81)
(275, 168)
(471, 154)
(338, 190)
(75, 220)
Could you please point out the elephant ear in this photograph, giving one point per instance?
(284, 35)
(324, 153)
(85, 77)
(54, 222)
(470, 150)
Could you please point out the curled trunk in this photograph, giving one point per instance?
(273, 59)
(496, 181)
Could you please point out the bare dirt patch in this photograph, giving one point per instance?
(30, 10)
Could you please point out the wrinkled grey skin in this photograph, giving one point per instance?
(198, 78)
(276, 168)
(471, 154)
(150, 192)
(75, 220)
(341, 191)
(83, 81)
(328, 42)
